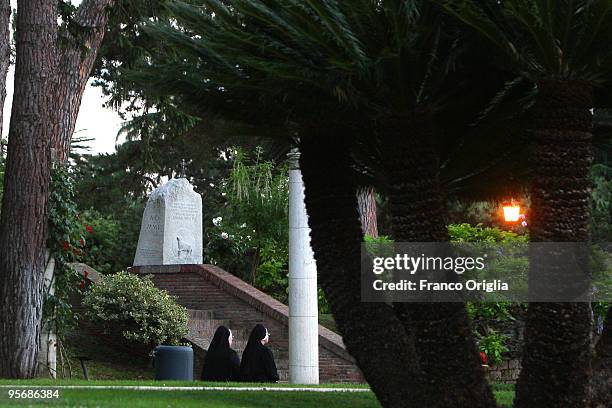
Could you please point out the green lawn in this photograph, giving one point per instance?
(504, 394)
(108, 362)
(51, 382)
(150, 398)
(327, 320)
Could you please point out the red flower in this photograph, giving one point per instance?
(85, 273)
(82, 285)
(483, 357)
(66, 245)
(81, 242)
(89, 228)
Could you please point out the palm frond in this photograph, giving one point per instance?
(544, 39)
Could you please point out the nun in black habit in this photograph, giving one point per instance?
(257, 360)
(221, 362)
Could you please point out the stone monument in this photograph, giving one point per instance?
(171, 230)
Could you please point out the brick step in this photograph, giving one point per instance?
(207, 326)
(201, 314)
(203, 330)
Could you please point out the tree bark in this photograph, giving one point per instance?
(366, 201)
(602, 367)
(557, 353)
(77, 61)
(5, 52)
(371, 331)
(23, 223)
(445, 345)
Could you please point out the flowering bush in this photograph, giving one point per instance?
(483, 358)
(226, 244)
(493, 346)
(108, 244)
(134, 306)
(496, 325)
(249, 234)
(65, 241)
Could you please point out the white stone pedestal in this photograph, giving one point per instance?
(303, 303)
(47, 354)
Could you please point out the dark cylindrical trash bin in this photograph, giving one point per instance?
(173, 363)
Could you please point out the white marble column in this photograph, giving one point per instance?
(303, 304)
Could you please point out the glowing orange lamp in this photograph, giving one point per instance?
(512, 212)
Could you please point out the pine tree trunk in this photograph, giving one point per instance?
(5, 52)
(557, 353)
(447, 352)
(371, 331)
(602, 367)
(23, 223)
(76, 64)
(366, 201)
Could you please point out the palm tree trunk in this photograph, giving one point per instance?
(23, 223)
(448, 356)
(557, 353)
(371, 331)
(366, 201)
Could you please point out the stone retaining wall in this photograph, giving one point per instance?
(505, 372)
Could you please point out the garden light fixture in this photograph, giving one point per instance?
(512, 211)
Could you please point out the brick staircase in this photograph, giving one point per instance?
(215, 297)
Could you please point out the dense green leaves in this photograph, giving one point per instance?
(133, 306)
(250, 232)
(296, 59)
(65, 243)
(478, 233)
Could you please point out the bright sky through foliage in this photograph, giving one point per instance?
(93, 121)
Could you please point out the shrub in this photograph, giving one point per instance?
(497, 325)
(132, 305)
(493, 345)
(110, 240)
(479, 233)
(379, 246)
(272, 273)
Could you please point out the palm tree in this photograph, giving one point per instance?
(339, 72)
(563, 49)
(220, 88)
(372, 332)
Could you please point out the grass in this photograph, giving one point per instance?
(50, 382)
(111, 366)
(108, 361)
(149, 399)
(327, 321)
(135, 398)
(504, 394)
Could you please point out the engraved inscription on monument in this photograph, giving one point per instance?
(171, 230)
